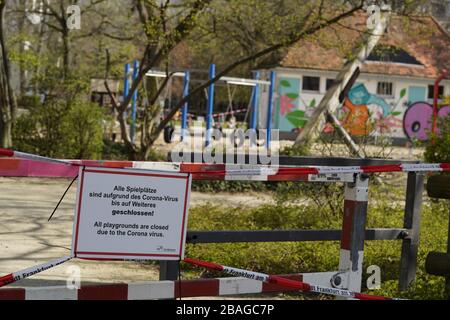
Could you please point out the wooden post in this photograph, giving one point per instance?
(410, 246)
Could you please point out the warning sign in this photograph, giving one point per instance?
(131, 214)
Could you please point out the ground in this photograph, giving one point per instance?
(28, 239)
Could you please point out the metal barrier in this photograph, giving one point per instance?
(353, 233)
(354, 183)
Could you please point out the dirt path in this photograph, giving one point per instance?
(27, 239)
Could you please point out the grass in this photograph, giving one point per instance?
(294, 257)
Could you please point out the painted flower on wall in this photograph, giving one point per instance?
(286, 105)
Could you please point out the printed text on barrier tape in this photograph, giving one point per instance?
(302, 286)
(25, 273)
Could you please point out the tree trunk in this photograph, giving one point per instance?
(66, 51)
(7, 101)
(22, 67)
(5, 130)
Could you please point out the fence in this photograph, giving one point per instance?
(352, 236)
(409, 234)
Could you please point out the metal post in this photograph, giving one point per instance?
(353, 234)
(126, 83)
(270, 108)
(168, 270)
(255, 102)
(410, 247)
(134, 105)
(184, 115)
(210, 105)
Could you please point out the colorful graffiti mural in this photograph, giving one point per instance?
(366, 113)
(363, 113)
(418, 120)
(292, 112)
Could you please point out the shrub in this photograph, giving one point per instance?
(438, 148)
(61, 129)
(83, 131)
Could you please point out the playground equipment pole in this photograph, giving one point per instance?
(210, 105)
(270, 108)
(184, 115)
(134, 105)
(126, 83)
(255, 101)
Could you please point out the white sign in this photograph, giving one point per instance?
(131, 214)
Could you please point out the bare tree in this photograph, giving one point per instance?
(166, 26)
(7, 99)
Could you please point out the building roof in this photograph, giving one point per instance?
(98, 85)
(421, 38)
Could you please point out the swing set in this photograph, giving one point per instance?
(252, 108)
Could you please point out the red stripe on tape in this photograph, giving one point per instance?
(201, 167)
(277, 283)
(5, 280)
(197, 288)
(6, 152)
(363, 296)
(208, 176)
(12, 294)
(104, 292)
(349, 210)
(282, 170)
(10, 164)
(288, 177)
(209, 265)
(384, 168)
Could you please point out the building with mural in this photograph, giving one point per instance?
(393, 95)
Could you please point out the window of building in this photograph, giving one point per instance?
(311, 83)
(329, 84)
(385, 89)
(431, 91)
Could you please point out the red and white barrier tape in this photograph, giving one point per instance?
(302, 286)
(217, 115)
(221, 170)
(25, 273)
(23, 155)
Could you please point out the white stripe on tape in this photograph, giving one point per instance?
(418, 167)
(51, 293)
(29, 156)
(231, 286)
(160, 166)
(332, 291)
(331, 170)
(252, 171)
(25, 273)
(246, 274)
(151, 290)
